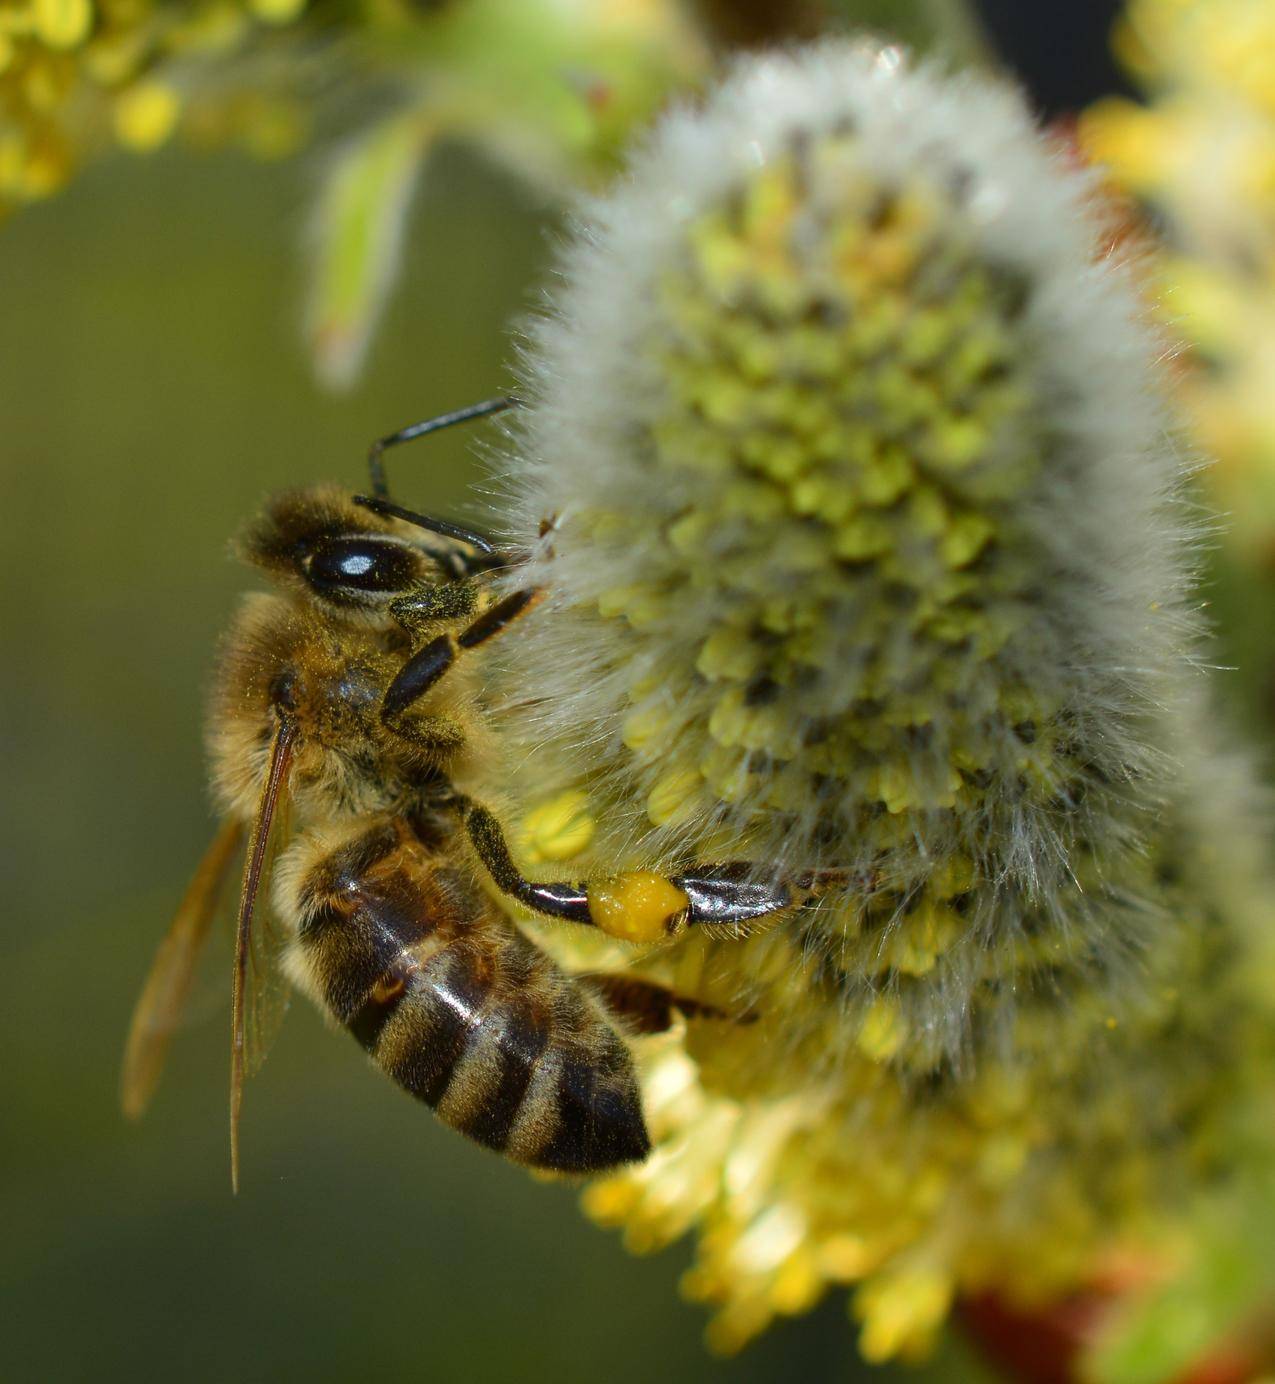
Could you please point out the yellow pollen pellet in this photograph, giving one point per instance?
(638, 907)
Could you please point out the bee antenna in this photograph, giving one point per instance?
(445, 527)
(376, 464)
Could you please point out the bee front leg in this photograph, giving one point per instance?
(639, 905)
(431, 662)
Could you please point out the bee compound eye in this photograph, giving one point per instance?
(345, 566)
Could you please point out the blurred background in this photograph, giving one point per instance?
(153, 388)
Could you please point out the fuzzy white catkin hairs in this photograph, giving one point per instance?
(866, 547)
(867, 552)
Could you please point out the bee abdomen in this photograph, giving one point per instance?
(467, 1015)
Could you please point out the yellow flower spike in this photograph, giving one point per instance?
(610, 1202)
(42, 169)
(622, 600)
(844, 1257)
(954, 876)
(922, 937)
(1002, 1158)
(862, 536)
(146, 115)
(895, 787)
(726, 771)
(797, 1286)
(730, 720)
(45, 83)
(967, 535)
(113, 59)
(887, 476)
(728, 1332)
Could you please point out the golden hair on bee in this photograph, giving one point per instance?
(347, 696)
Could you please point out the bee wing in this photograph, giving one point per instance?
(167, 988)
(247, 994)
(267, 993)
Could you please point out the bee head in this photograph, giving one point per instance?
(352, 555)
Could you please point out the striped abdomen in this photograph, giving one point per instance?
(461, 1010)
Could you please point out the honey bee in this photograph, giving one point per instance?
(349, 696)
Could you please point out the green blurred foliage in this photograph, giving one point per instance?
(153, 388)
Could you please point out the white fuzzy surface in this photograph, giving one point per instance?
(1112, 634)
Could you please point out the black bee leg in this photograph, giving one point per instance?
(428, 664)
(639, 905)
(439, 736)
(569, 901)
(498, 617)
(644, 1007)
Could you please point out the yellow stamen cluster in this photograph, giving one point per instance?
(857, 404)
(75, 74)
(1075, 1135)
(550, 88)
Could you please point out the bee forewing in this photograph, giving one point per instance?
(167, 988)
(243, 985)
(267, 992)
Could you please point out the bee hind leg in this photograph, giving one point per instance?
(639, 905)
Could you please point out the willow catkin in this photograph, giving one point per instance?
(868, 552)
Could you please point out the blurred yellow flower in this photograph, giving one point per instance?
(1201, 155)
(77, 74)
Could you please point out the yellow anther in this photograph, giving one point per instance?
(883, 1032)
(640, 906)
(63, 23)
(146, 115)
(674, 796)
(558, 829)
